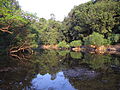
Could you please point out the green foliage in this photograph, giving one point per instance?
(26, 27)
(63, 53)
(49, 31)
(48, 61)
(32, 41)
(63, 44)
(76, 43)
(18, 23)
(76, 55)
(102, 17)
(114, 38)
(97, 61)
(95, 39)
(96, 23)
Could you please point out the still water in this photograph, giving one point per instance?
(61, 70)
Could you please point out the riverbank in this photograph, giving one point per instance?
(111, 49)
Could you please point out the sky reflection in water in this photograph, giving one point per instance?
(45, 82)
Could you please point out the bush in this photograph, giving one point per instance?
(34, 44)
(63, 53)
(76, 55)
(96, 39)
(76, 43)
(114, 38)
(63, 44)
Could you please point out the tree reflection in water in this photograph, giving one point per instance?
(15, 75)
(61, 70)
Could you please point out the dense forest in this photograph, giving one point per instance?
(96, 22)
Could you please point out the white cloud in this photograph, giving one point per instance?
(44, 8)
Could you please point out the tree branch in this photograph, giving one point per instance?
(5, 29)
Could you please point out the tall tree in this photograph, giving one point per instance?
(102, 17)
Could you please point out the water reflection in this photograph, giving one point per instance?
(45, 82)
(15, 75)
(76, 55)
(61, 70)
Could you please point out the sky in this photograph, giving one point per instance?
(43, 8)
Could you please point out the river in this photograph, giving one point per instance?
(60, 70)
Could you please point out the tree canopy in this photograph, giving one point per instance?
(102, 17)
(86, 23)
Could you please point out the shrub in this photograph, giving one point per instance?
(63, 53)
(63, 44)
(96, 39)
(76, 55)
(76, 43)
(114, 38)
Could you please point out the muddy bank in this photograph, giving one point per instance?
(111, 49)
(49, 47)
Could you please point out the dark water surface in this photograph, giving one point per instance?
(61, 70)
